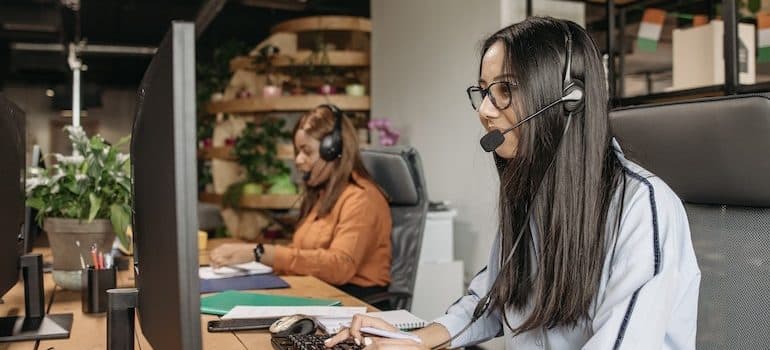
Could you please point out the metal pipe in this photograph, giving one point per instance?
(87, 49)
(75, 65)
(529, 8)
(730, 16)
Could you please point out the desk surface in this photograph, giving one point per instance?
(89, 331)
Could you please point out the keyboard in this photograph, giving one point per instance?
(310, 342)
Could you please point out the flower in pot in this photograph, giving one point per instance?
(264, 62)
(84, 200)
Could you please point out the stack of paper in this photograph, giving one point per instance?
(401, 319)
(280, 311)
(251, 268)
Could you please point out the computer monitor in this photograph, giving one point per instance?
(34, 324)
(165, 222)
(31, 229)
(12, 144)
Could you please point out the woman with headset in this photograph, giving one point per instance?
(593, 251)
(343, 236)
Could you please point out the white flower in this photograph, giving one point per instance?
(35, 171)
(80, 177)
(122, 158)
(105, 151)
(34, 182)
(75, 159)
(55, 189)
(76, 134)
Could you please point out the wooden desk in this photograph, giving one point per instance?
(89, 331)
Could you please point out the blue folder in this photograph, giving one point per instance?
(263, 281)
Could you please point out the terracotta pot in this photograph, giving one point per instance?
(63, 235)
(271, 91)
(327, 89)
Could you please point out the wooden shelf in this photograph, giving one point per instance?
(337, 58)
(288, 104)
(266, 201)
(320, 23)
(285, 152)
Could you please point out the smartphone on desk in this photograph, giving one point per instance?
(240, 324)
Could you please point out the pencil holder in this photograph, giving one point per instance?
(95, 284)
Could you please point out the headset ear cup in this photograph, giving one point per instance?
(330, 147)
(572, 106)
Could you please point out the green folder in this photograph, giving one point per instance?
(222, 303)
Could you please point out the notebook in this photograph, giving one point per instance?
(402, 319)
(221, 303)
(264, 281)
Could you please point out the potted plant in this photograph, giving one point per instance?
(264, 173)
(264, 63)
(83, 200)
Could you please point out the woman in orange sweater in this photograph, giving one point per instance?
(343, 236)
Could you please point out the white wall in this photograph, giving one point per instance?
(424, 55)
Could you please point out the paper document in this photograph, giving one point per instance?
(280, 311)
(250, 268)
(401, 319)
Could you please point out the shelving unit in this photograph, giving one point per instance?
(285, 152)
(337, 58)
(288, 104)
(262, 201)
(617, 18)
(321, 23)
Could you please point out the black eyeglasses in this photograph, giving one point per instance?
(499, 92)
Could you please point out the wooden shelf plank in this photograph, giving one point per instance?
(337, 58)
(320, 23)
(265, 201)
(288, 104)
(285, 152)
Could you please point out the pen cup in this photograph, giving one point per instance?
(95, 284)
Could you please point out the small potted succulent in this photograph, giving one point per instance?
(83, 200)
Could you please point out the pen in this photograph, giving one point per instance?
(94, 257)
(391, 335)
(101, 261)
(82, 260)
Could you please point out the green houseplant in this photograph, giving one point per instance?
(257, 151)
(83, 200)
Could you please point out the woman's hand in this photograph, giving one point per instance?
(232, 254)
(354, 332)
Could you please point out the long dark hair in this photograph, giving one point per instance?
(569, 211)
(317, 123)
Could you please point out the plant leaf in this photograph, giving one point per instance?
(36, 203)
(119, 217)
(96, 204)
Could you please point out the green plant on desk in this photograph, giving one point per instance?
(82, 200)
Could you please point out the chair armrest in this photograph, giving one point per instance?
(398, 300)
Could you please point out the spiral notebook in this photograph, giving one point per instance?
(402, 319)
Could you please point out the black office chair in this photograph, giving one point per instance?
(398, 171)
(715, 154)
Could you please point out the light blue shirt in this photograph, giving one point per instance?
(648, 293)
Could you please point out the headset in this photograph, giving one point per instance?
(573, 96)
(331, 143)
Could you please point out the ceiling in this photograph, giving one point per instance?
(134, 23)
